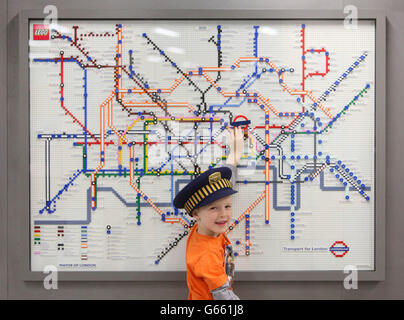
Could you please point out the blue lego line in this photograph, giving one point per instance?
(85, 119)
(336, 188)
(338, 82)
(70, 222)
(230, 98)
(172, 184)
(61, 191)
(334, 119)
(227, 105)
(255, 51)
(88, 220)
(297, 188)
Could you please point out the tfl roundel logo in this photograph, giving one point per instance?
(339, 249)
(41, 32)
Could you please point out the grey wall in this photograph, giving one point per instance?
(3, 146)
(12, 287)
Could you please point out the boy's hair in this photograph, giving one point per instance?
(192, 213)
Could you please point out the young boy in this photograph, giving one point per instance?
(209, 255)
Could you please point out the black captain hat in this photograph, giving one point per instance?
(209, 186)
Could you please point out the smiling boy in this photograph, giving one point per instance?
(209, 255)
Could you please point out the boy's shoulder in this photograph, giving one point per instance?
(199, 246)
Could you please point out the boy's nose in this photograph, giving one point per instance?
(220, 211)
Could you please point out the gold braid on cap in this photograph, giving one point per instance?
(204, 192)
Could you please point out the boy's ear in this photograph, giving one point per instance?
(194, 213)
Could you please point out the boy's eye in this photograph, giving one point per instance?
(212, 208)
(228, 206)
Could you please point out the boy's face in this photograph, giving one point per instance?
(215, 217)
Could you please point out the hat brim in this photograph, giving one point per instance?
(216, 196)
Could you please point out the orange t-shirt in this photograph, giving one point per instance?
(205, 259)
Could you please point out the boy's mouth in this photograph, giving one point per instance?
(221, 223)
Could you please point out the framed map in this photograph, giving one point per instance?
(123, 112)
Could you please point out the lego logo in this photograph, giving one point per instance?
(41, 32)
